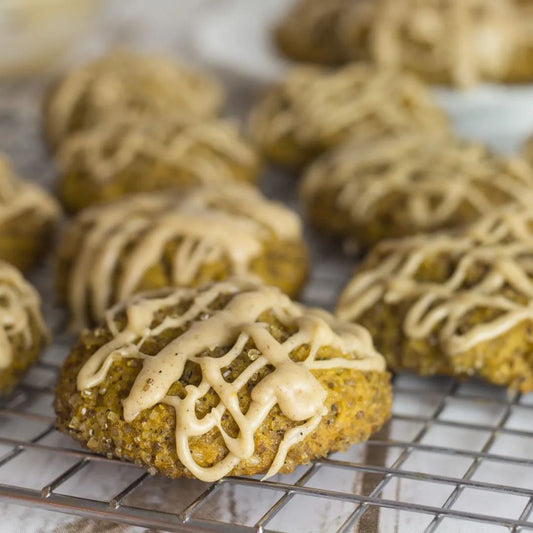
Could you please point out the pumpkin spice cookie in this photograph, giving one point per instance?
(231, 378)
(461, 43)
(315, 109)
(23, 333)
(127, 153)
(457, 304)
(147, 241)
(408, 184)
(310, 32)
(124, 81)
(28, 216)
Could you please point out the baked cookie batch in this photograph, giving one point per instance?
(192, 359)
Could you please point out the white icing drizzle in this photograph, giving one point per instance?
(20, 308)
(230, 222)
(500, 245)
(291, 385)
(122, 81)
(208, 150)
(18, 197)
(468, 39)
(316, 108)
(431, 178)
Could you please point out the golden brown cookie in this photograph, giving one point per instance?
(462, 43)
(155, 240)
(232, 378)
(23, 333)
(408, 184)
(314, 109)
(123, 81)
(127, 153)
(311, 30)
(458, 304)
(28, 216)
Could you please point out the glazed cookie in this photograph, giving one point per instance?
(126, 82)
(155, 240)
(23, 333)
(314, 109)
(231, 378)
(128, 153)
(461, 43)
(28, 216)
(310, 30)
(407, 184)
(457, 304)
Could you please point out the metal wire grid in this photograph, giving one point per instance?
(374, 467)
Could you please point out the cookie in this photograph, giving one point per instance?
(23, 333)
(231, 378)
(155, 240)
(127, 153)
(309, 32)
(28, 216)
(124, 81)
(408, 184)
(314, 109)
(459, 43)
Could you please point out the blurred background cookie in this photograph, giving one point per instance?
(313, 109)
(23, 333)
(460, 43)
(28, 216)
(127, 152)
(409, 184)
(124, 81)
(310, 31)
(149, 241)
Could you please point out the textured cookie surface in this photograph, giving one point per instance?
(156, 240)
(22, 331)
(312, 31)
(408, 184)
(128, 152)
(229, 378)
(458, 304)
(28, 216)
(125, 81)
(314, 109)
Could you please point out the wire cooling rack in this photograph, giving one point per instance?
(454, 457)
